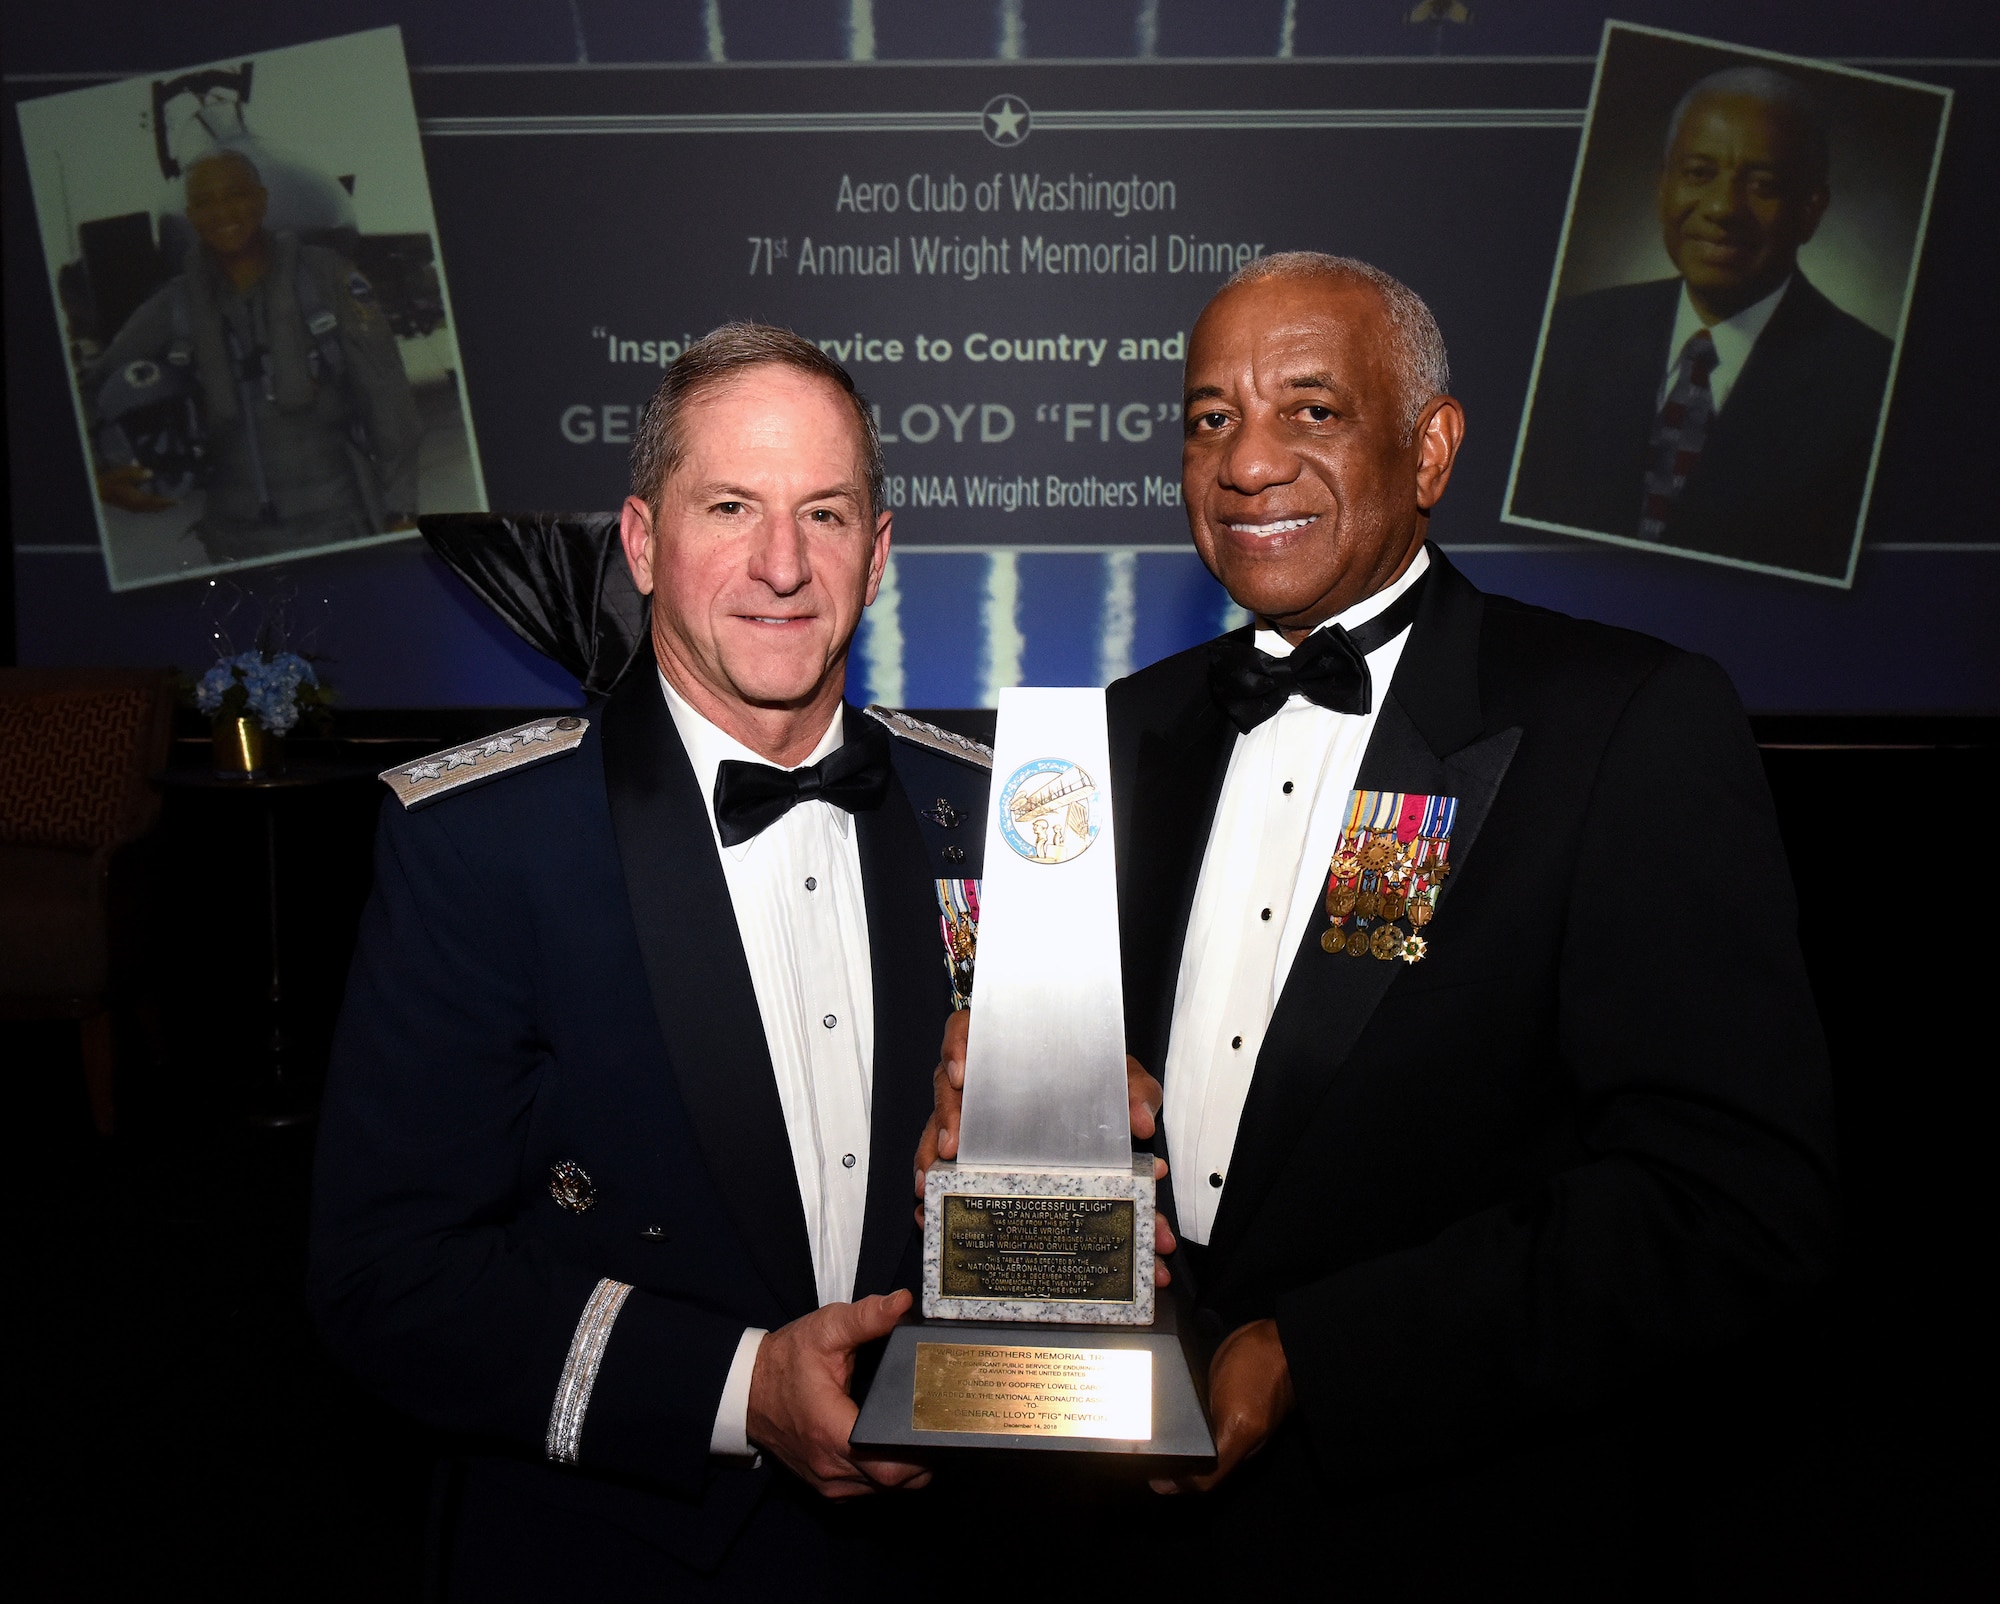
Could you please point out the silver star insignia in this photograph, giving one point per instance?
(537, 732)
(499, 744)
(464, 758)
(424, 771)
(1006, 118)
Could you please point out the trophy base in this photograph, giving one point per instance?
(1038, 1389)
(1021, 1242)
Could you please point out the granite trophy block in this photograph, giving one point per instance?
(1039, 1325)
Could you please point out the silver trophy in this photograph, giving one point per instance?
(1040, 1329)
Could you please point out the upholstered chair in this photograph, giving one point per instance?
(80, 748)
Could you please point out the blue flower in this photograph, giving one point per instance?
(296, 667)
(214, 685)
(272, 698)
(271, 689)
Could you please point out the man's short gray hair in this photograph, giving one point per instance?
(1772, 89)
(1423, 373)
(660, 443)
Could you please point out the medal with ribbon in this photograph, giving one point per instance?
(958, 923)
(1382, 885)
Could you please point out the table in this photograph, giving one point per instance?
(281, 1094)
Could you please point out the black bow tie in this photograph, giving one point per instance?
(751, 797)
(1330, 666)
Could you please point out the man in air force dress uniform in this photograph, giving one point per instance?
(639, 1036)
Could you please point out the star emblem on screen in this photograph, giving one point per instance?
(1007, 120)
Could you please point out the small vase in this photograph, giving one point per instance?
(245, 750)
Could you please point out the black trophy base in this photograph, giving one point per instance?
(1036, 1388)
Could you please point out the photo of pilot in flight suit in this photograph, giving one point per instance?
(290, 403)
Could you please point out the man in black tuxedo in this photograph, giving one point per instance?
(1462, 936)
(1731, 409)
(639, 1034)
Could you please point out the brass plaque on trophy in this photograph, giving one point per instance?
(1060, 1249)
(1040, 1327)
(1034, 1392)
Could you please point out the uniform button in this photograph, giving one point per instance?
(847, 1161)
(1215, 1179)
(567, 724)
(954, 854)
(829, 1021)
(1266, 914)
(1236, 1041)
(1288, 788)
(811, 883)
(653, 1233)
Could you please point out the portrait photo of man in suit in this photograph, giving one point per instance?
(639, 1037)
(1732, 409)
(1480, 1131)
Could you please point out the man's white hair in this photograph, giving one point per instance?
(1773, 89)
(1417, 358)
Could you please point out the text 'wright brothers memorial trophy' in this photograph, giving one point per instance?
(1039, 1327)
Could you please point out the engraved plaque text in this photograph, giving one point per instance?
(1034, 1392)
(1038, 1249)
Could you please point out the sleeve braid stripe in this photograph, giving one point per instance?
(579, 1372)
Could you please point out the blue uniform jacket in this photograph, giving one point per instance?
(549, 972)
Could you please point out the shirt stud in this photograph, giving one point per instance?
(1215, 1179)
(1288, 788)
(1266, 914)
(847, 1161)
(1236, 1041)
(829, 1021)
(812, 884)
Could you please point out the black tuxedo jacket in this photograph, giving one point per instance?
(549, 970)
(1784, 464)
(1588, 1135)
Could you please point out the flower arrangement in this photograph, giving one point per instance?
(255, 698)
(273, 690)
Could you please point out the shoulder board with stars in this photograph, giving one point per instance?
(417, 784)
(918, 733)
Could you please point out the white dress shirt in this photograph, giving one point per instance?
(1734, 339)
(1277, 826)
(803, 918)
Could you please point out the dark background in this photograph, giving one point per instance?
(180, 1431)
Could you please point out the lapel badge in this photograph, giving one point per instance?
(944, 815)
(1382, 885)
(571, 1186)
